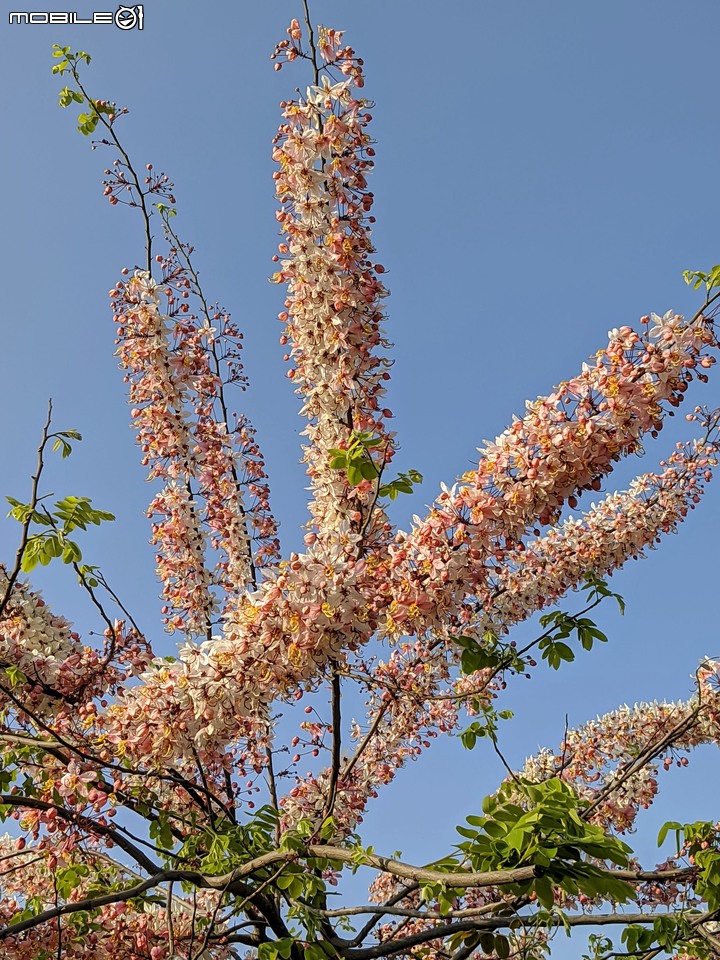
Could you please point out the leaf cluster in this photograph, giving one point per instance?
(560, 626)
(491, 944)
(698, 278)
(491, 653)
(488, 654)
(359, 464)
(70, 514)
(226, 845)
(282, 948)
(666, 933)
(540, 824)
(553, 648)
(700, 842)
(487, 727)
(68, 63)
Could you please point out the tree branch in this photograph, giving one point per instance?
(17, 567)
(336, 742)
(88, 824)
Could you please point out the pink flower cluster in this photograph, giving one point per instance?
(118, 930)
(57, 671)
(413, 683)
(565, 444)
(173, 366)
(305, 612)
(601, 756)
(333, 310)
(610, 533)
(465, 565)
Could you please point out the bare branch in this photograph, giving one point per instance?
(34, 499)
(336, 742)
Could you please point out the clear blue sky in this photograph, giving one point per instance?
(544, 172)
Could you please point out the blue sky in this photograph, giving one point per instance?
(544, 173)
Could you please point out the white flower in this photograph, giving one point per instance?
(661, 324)
(323, 96)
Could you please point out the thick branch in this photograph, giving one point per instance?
(336, 741)
(441, 931)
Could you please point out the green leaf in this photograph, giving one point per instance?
(267, 951)
(544, 890)
(368, 470)
(15, 676)
(665, 829)
(64, 446)
(338, 460)
(54, 545)
(73, 554)
(502, 947)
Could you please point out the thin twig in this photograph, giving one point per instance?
(311, 41)
(34, 498)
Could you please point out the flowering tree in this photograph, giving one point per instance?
(159, 805)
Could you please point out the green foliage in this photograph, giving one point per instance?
(62, 439)
(226, 845)
(597, 589)
(69, 63)
(491, 944)
(306, 830)
(276, 948)
(562, 626)
(492, 654)
(161, 832)
(403, 484)
(540, 824)
(489, 654)
(86, 574)
(357, 460)
(598, 946)
(33, 906)
(666, 933)
(282, 948)
(165, 211)
(304, 884)
(700, 843)
(698, 278)
(15, 675)
(68, 96)
(70, 513)
(487, 727)
(69, 878)
(358, 463)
